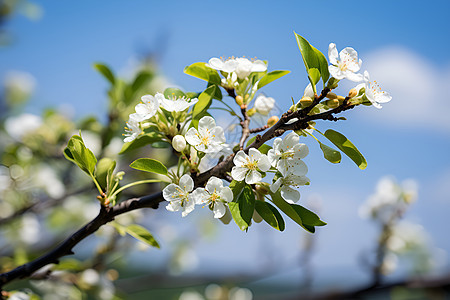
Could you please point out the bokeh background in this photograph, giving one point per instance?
(403, 44)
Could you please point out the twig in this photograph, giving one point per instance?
(106, 214)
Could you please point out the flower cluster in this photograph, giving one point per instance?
(148, 108)
(345, 65)
(182, 197)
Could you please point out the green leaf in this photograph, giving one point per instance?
(270, 214)
(169, 92)
(141, 141)
(297, 213)
(340, 141)
(269, 77)
(236, 187)
(149, 165)
(142, 234)
(161, 145)
(200, 70)
(105, 168)
(242, 210)
(77, 152)
(106, 72)
(307, 216)
(264, 148)
(204, 101)
(314, 60)
(330, 154)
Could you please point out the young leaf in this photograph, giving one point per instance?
(340, 141)
(77, 152)
(104, 167)
(271, 76)
(315, 62)
(141, 141)
(236, 187)
(149, 165)
(106, 72)
(169, 92)
(270, 214)
(200, 70)
(141, 234)
(242, 210)
(204, 101)
(330, 154)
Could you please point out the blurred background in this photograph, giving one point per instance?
(50, 89)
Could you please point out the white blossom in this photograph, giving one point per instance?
(209, 138)
(215, 195)
(264, 104)
(175, 103)
(19, 126)
(373, 91)
(148, 107)
(242, 66)
(286, 155)
(179, 196)
(246, 166)
(133, 128)
(288, 193)
(345, 65)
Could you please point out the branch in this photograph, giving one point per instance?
(106, 215)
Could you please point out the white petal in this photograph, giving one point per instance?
(226, 194)
(254, 154)
(289, 194)
(296, 167)
(199, 196)
(273, 158)
(192, 137)
(332, 54)
(300, 151)
(354, 77)
(186, 183)
(238, 173)
(207, 122)
(219, 210)
(174, 206)
(216, 63)
(259, 66)
(275, 186)
(171, 192)
(335, 72)
(218, 134)
(290, 141)
(253, 177)
(240, 158)
(187, 208)
(309, 92)
(264, 163)
(230, 65)
(213, 184)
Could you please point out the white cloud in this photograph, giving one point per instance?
(420, 97)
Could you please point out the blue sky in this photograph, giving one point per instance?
(404, 45)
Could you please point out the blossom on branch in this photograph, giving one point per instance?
(247, 166)
(215, 195)
(345, 65)
(242, 66)
(148, 107)
(288, 193)
(133, 129)
(286, 155)
(373, 91)
(209, 138)
(179, 196)
(175, 103)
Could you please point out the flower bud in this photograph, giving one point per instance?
(331, 95)
(332, 103)
(251, 112)
(353, 93)
(179, 143)
(256, 217)
(239, 100)
(172, 130)
(306, 101)
(272, 121)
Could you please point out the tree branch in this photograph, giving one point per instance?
(106, 215)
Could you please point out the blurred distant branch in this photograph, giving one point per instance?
(106, 214)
